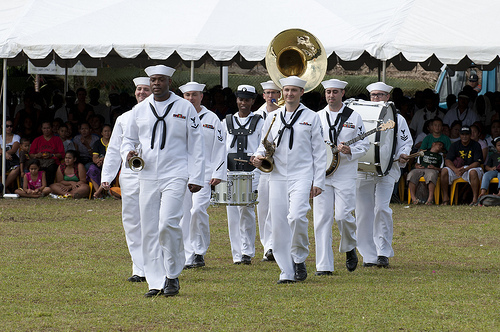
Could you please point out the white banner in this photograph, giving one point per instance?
(53, 69)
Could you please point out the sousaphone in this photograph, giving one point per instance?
(293, 52)
(296, 52)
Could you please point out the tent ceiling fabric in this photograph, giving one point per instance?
(122, 32)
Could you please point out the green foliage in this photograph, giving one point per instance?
(64, 266)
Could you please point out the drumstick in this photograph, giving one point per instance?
(413, 155)
(243, 160)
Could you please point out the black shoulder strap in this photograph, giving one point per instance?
(254, 122)
(229, 123)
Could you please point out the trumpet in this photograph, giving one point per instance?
(136, 163)
(268, 161)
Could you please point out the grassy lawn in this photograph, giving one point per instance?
(64, 266)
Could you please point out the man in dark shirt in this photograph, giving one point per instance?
(463, 160)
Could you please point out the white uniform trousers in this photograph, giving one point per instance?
(374, 217)
(131, 218)
(161, 211)
(343, 198)
(264, 214)
(194, 223)
(289, 206)
(242, 231)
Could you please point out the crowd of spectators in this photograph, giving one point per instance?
(80, 123)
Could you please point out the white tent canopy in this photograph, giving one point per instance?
(397, 31)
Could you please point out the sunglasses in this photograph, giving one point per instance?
(9, 126)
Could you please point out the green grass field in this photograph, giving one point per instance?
(64, 266)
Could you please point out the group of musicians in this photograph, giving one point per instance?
(186, 150)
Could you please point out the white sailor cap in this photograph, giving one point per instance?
(246, 91)
(334, 84)
(269, 85)
(192, 86)
(379, 86)
(293, 80)
(141, 81)
(159, 70)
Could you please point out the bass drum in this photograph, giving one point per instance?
(379, 158)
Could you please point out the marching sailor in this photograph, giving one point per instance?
(168, 129)
(243, 131)
(271, 95)
(298, 175)
(340, 124)
(373, 194)
(194, 222)
(129, 183)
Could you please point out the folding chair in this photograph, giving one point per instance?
(437, 190)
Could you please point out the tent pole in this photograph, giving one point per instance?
(384, 68)
(4, 119)
(65, 78)
(192, 71)
(224, 76)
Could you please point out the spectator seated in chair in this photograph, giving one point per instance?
(49, 149)
(12, 142)
(492, 168)
(463, 161)
(427, 166)
(83, 143)
(99, 152)
(70, 178)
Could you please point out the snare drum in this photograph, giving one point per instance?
(379, 157)
(237, 190)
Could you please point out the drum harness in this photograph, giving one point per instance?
(241, 139)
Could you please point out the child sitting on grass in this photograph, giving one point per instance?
(492, 167)
(428, 166)
(34, 184)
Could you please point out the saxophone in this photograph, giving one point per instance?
(268, 161)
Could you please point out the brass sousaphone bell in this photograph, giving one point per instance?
(296, 52)
(293, 52)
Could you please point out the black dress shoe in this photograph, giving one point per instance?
(198, 261)
(285, 281)
(382, 261)
(323, 273)
(171, 287)
(245, 259)
(154, 292)
(136, 278)
(351, 260)
(300, 271)
(269, 255)
(369, 264)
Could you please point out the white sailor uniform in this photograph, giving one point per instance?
(299, 164)
(340, 189)
(172, 150)
(373, 195)
(241, 219)
(129, 184)
(195, 221)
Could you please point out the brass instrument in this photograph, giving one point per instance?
(268, 161)
(136, 163)
(296, 52)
